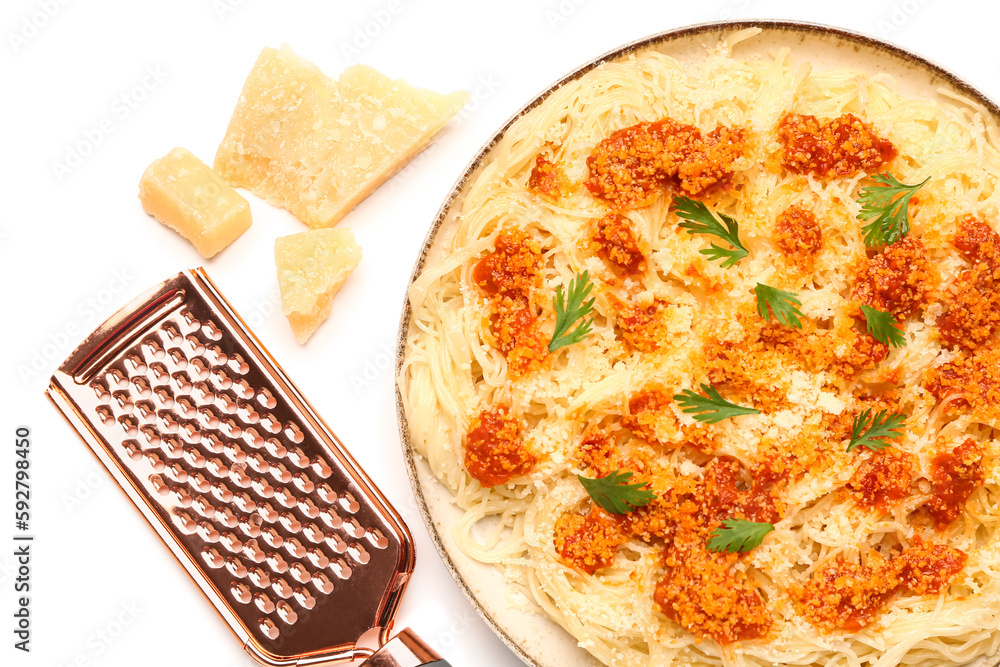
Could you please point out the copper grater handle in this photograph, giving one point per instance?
(405, 650)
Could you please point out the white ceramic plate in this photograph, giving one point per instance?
(537, 640)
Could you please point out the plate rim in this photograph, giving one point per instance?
(691, 30)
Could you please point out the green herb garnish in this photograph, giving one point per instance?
(711, 408)
(783, 305)
(883, 327)
(886, 205)
(614, 494)
(875, 432)
(699, 220)
(566, 315)
(738, 535)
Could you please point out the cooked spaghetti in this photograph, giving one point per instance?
(879, 555)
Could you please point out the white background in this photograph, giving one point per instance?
(129, 80)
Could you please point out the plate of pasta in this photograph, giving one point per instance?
(699, 364)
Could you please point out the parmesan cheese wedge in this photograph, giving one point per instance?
(317, 146)
(312, 267)
(181, 191)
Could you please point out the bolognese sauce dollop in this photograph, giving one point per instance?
(956, 475)
(548, 180)
(973, 315)
(509, 277)
(847, 595)
(630, 167)
(799, 235)
(617, 243)
(494, 451)
(832, 147)
(899, 279)
(589, 542)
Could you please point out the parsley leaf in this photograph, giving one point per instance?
(711, 408)
(783, 305)
(738, 535)
(883, 327)
(886, 205)
(566, 315)
(699, 220)
(614, 494)
(875, 435)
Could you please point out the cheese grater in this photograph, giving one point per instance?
(292, 543)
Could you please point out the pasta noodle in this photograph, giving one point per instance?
(455, 368)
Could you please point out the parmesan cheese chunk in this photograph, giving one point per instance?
(181, 191)
(317, 146)
(312, 267)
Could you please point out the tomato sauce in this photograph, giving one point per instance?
(700, 590)
(845, 595)
(973, 316)
(831, 147)
(589, 542)
(644, 327)
(929, 568)
(977, 241)
(883, 479)
(899, 279)
(494, 452)
(633, 165)
(956, 475)
(548, 180)
(798, 235)
(509, 277)
(704, 595)
(617, 244)
(971, 380)
(512, 267)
